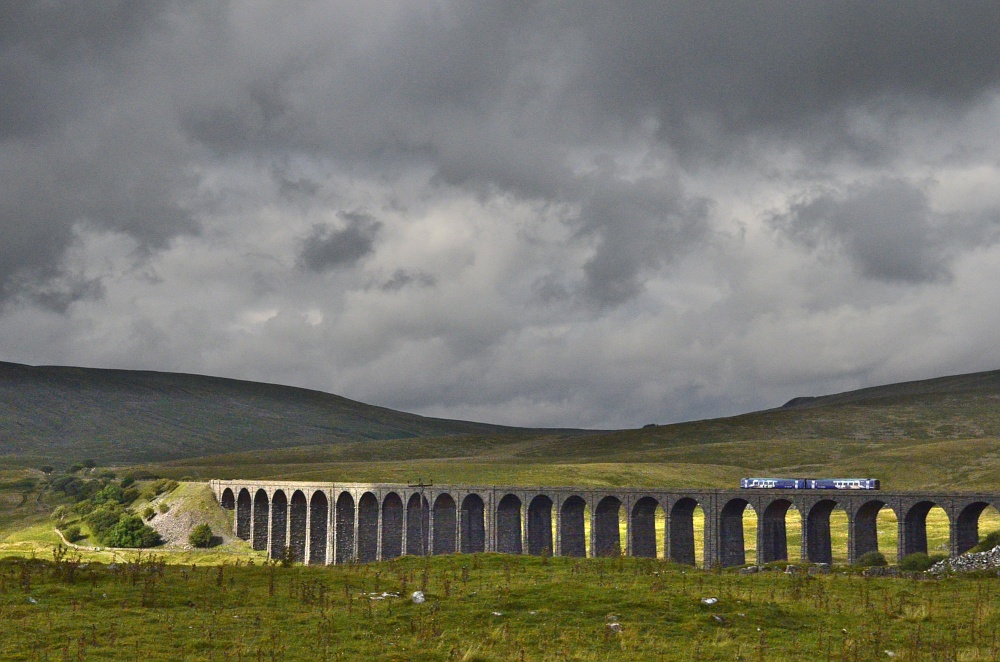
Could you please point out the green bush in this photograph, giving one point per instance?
(72, 533)
(128, 480)
(148, 513)
(919, 562)
(987, 542)
(163, 507)
(871, 559)
(104, 518)
(201, 536)
(131, 531)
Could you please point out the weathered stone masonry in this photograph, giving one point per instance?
(341, 522)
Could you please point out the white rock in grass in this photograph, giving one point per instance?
(418, 597)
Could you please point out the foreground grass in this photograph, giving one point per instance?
(485, 607)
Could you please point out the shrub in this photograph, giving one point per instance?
(103, 519)
(128, 480)
(148, 513)
(987, 542)
(919, 562)
(201, 536)
(72, 533)
(163, 507)
(871, 559)
(131, 531)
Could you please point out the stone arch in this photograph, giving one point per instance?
(368, 528)
(392, 526)
(643, 528)
(473, 524)
(509, 525)
(228, 500)
(297, 516)
(607, 529)
(417, 525)
(244, 506)
(864, 529)
(319, 514)
(774, 531)
(915, 528)
(445, 524)
(572, 529)
(540, 526)
(260, 508)
(344, 530)
(681, 527)
(967, 526)
(279, 524)
(732, 542)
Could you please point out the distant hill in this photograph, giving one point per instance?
(61, 415)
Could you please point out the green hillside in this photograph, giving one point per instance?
(935, 434)
(59, 415)
(941, 434)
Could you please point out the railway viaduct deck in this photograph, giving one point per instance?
(327, 523)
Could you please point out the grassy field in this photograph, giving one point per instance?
(485, 607)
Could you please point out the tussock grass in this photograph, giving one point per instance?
(485, 607)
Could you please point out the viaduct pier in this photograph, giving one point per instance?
(326, 523)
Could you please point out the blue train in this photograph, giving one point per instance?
(810, 483)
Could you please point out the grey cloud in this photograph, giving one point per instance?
(887, 229)
(401, 279)
(328, 247)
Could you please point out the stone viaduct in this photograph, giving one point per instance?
(327, 523)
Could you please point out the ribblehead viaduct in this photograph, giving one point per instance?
(327, 523)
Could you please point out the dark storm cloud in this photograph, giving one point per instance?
(332, 247)
(590, 178)
(64, 70)
(886, 228)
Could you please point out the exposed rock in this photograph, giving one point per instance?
(968, 562)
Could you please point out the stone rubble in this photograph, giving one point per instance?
(968, 562)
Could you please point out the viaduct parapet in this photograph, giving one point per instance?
(326, 523)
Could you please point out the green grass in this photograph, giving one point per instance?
(486, 607)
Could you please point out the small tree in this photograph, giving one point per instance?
(201, 536)
(131, 531)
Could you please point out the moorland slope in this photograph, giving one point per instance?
(60, 415)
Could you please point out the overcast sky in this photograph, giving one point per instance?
(542, 213)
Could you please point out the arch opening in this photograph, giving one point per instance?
(279, 525)
(392, 526)
(244, 506)
(970, 519)
(473, 525)
(825, 532)
(915, 527)
(540, 526)
(260, 508)
(319, 513)
(228, 501)
(607, 527)
(732, 534)
(685, 539)
(509, 525)
(774, 532)
(417, 525)
(643, 528)
(344, 528)
(297, 516)
(367, 528)
(572, 528)
(445, 524)
(864, 534)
